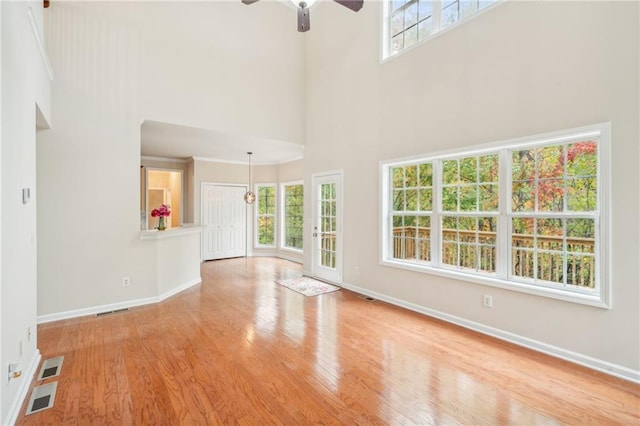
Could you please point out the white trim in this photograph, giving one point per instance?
(39, 42)
(276, 255)
(291, 250)
(154, 234)
(575, 357)
(244, 163)
(27, 378)
(281, 216)
(164, 159)
(290, 259)
(476, 278)
(179, 289)
(42, 319)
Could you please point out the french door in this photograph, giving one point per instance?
(327, 226)
(224, 218)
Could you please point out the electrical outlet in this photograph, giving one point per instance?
(126, 282)
(14, 370)
(487, 301)
(357, 268)
(29, 334)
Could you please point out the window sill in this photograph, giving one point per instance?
(584, 299)
(292, 250)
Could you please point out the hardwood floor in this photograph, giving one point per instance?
(241, 349)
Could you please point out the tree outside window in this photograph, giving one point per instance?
(266, 215)
(293, 215)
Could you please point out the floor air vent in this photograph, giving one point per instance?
(111, 312)
(50, 368)
(42, 398)
(365, 297)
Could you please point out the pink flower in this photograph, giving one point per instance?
(162, 211)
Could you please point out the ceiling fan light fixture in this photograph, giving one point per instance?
(303, 7)
(307, 3)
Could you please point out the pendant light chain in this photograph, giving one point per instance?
(250, 197)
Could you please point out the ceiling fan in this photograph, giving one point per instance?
(303, 10)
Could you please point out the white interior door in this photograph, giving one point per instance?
(224, 218)
(327, 226)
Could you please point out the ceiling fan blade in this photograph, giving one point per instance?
(304, 23)
(354, 5)
(249, 1)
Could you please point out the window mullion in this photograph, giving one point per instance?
(503, 241)
(436, 15)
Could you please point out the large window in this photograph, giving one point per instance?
(293, 215)
(265, 215)
(407, 22)
(526, 214)
(470, 212)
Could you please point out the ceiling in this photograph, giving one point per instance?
(165, 140)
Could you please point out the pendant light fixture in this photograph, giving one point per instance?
(250, 196)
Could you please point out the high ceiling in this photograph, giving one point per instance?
(167, 140)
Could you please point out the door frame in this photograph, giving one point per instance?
(315, 245)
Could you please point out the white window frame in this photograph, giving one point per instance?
(257, 216)
(436, 8)
(283, 212)
(600, 296)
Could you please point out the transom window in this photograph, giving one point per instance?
(408, 22)
(525, 215)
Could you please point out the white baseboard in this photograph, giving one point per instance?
(577, 358)
(290, 259)
(178, 289)
(116, 306)
(14, 411)
(277, 255)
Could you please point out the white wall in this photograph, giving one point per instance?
(88, 167)
(519, 69)
(24, 85)
(224, 66)
(178, 261)
(220, 66)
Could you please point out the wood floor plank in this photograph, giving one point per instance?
(240, 349)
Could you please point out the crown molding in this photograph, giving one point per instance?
(244, 163)
(165, 159)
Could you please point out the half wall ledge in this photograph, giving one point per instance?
(154, 234)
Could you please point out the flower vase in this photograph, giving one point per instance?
(161, 223)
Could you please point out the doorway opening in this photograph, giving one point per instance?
(162, 186)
